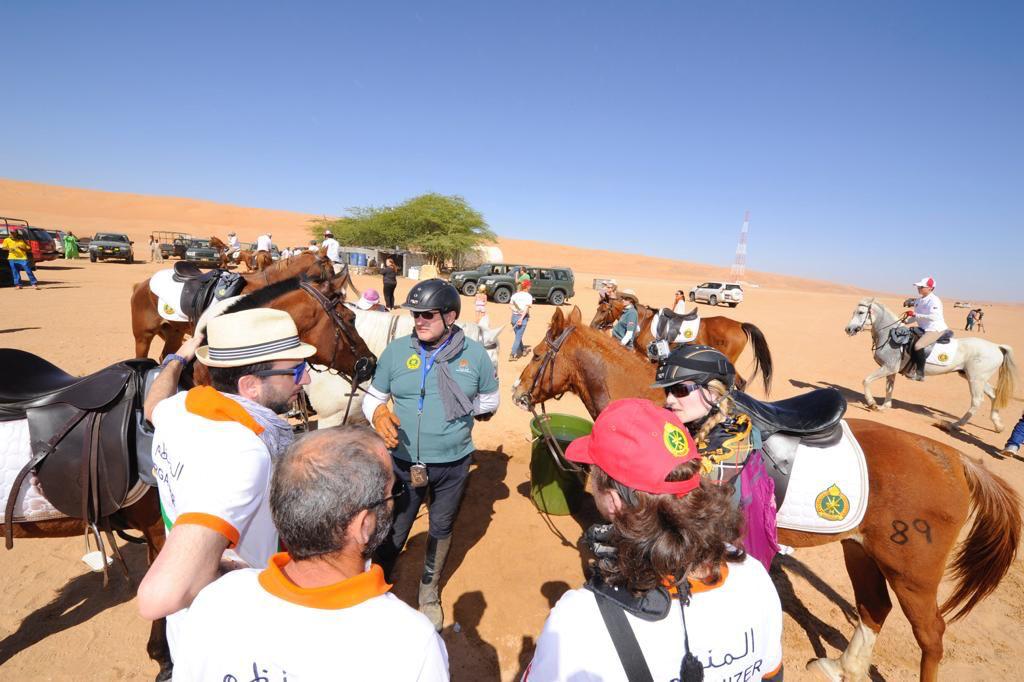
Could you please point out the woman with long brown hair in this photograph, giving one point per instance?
(672, 592)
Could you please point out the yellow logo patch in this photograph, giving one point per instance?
(413, 362)
(943, 357)
(832, 504)
(688, 334)
(675, 440)
(168, 309)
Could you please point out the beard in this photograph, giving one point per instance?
(383, 515)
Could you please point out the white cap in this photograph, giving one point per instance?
(926, 282)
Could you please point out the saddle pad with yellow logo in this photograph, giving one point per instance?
(942, 354)
(674, 329)
(168, 293)
(828, 488)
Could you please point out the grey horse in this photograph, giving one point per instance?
(976, 360)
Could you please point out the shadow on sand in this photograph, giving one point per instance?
(856, 398)
(78, 601)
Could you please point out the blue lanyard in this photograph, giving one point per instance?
(426, 364)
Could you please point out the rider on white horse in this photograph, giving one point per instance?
(927, 312)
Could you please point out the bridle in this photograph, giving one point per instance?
(363, 365)
(547, 367)
(869, 318)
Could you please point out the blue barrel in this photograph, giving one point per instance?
(362, 260)
(353, 259)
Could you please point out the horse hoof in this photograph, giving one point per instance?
(873, 407)
(886, 406)
(828, 667)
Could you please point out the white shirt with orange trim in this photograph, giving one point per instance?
(735, 631)
(215, 473)
(258, 625)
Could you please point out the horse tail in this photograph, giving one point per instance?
(1007, 384)
(985, 556)
(762, 356)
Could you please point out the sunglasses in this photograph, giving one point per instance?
(682, 390)
(397, 490)
(297, 372)
(424, 314)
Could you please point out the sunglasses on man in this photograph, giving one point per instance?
(681, 390)
(425, 314)
(297, 372)
(397, 490)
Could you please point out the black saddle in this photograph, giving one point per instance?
(84, 432)
(907, 336)
(203, 287)
(669, 323)
(813, 416)
(812, 419)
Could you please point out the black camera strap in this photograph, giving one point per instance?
(624, 639)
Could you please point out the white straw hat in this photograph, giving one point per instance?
(252, 336)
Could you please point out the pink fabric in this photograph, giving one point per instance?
(757, 500)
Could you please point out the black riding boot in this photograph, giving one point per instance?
(917, 359)
(430, 585)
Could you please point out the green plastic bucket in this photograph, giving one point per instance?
(556, 490)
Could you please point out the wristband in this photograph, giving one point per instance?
(172, 357)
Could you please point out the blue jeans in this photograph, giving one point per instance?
(1017, 436)
(23, 266)
(517, 345)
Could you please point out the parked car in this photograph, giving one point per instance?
(467, 281)
(111, 246)
(714, 293)
(200, 252)
(554, 285)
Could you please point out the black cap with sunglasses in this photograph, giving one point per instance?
(694, 364)
(433, 294)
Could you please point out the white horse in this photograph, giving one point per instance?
(976, 360)
(329, 393)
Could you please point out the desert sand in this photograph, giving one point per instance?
(509, 562)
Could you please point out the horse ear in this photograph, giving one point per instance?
(576, 316)
(557, 323)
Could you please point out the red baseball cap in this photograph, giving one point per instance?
(638, 445)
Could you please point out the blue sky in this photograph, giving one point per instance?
(872, 142)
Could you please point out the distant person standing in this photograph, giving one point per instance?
(155, 256)
(333, 251)
(520, 304)
(609, 290)
(480, 303)
(524, 277)
(970, 321)
(679, 305)
(389, 275)
(70, 246)
(978, 314)
(17, 258)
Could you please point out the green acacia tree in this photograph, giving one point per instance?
(445, 227)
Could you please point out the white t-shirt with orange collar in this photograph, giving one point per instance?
(213, 470)
(734, 627)
(253, 624)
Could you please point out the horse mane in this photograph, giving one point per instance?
(263, 297)
(609, 346)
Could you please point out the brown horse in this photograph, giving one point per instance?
(261, 260)
(147, 323)
(908, 532)
(323, 321)
(143, 516)
(723, 333)
(222, 251)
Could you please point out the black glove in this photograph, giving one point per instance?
(596, 539)
(908, 302)
(486, 416)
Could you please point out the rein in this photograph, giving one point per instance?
(868, 317)
(362, 366)
(548, 363)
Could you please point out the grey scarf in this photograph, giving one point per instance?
(277, 433)
(456, 403)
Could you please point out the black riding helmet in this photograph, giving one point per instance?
(433, 294)
(699, 364)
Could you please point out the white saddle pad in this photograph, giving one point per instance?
(15, 452)
(169, 294)
(687, 330)
(943, 353)
(31, 506)
(828, 489)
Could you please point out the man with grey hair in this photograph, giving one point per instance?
(320, 610)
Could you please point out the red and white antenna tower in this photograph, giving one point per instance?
(739, 266)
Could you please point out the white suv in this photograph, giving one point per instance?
(714, 293)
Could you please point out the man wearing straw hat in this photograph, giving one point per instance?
(625, 328)
(212, 451)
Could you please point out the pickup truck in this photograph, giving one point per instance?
(111, 246)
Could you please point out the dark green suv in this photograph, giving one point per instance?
(111, 245)
(467, 281)
(554, 285)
